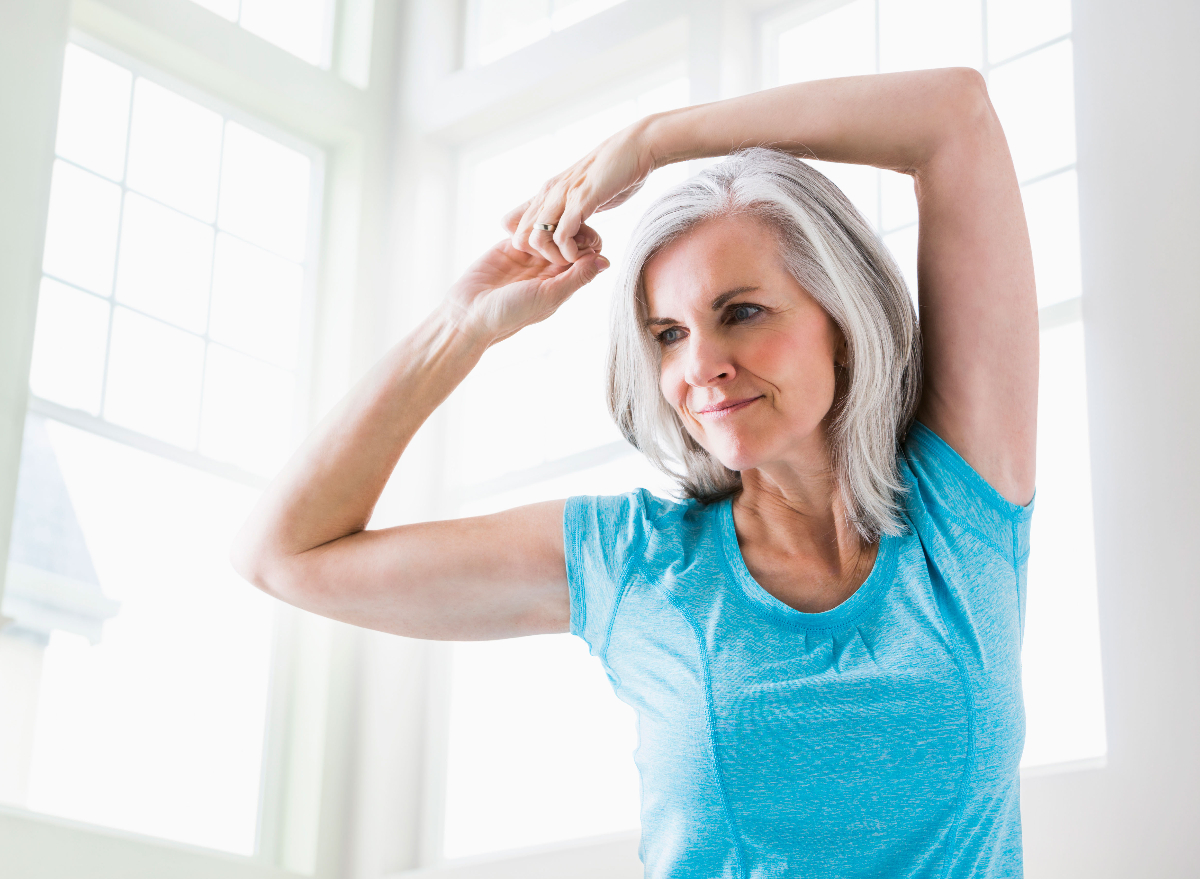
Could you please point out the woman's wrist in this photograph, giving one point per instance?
(672, 136)
(457, 323)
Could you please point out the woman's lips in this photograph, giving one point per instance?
(728, 410)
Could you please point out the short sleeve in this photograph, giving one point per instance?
(602, 535)
(945, 487)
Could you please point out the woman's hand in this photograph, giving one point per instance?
(603, 179)
(507, 289)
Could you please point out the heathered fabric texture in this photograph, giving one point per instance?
(877, 739)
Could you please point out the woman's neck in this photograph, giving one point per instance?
(801, 515)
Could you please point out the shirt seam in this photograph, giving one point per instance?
(622, 588)
(734, 834)
(969, 758)
(983, 489)
(992, 544)
(574, 573)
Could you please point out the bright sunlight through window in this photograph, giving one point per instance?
(165, 387)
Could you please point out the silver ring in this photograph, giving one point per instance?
(546, 227)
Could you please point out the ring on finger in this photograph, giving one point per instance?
(546, 227)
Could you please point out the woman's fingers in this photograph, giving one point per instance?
(542, 242)
(588, 238)
(581, 272)
(564, 236)
(570, 239)
(513, 218)
(558, 245)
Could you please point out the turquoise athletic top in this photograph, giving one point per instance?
(879, 738)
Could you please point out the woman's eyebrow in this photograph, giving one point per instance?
(716, 305)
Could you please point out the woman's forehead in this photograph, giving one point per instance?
(716, 257)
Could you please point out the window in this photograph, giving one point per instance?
(1024, 50)
(500, 27)
(166, 385)
(513, 774)
(302, 27)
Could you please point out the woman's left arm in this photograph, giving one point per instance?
(978, 305)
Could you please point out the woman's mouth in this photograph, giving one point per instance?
(725, 409)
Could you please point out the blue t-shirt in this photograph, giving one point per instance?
(879, 738)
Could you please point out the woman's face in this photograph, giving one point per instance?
(747, 354)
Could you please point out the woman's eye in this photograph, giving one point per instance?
(666, 337)
(743, 308)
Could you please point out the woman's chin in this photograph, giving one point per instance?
(737, 459)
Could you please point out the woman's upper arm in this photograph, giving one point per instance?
(978, 304)
(485, 577)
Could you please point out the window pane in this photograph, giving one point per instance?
(503, 26)
(93, 116)
(1052, 212)
(297, 26)
(838, 43)
(247, 411)
(1035, 99)
(174, 150)
(153, 723)
(1017, 25)
(558, 364)
(264, 192)
(1064, 695)
(165, 261)
(522, 712)
(256, 301)
(81, 231)
(68, 347)
(154, 378)
(916, 34)
(514, 776)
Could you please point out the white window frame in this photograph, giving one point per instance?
(390, 196)
(343, 114)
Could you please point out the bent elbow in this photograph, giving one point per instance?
(971, 103)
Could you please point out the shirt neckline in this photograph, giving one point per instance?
(765, 604)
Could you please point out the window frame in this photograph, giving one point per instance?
(394, 140)
(339, 117)
(634, 42)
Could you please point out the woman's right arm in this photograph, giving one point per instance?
(478, 578)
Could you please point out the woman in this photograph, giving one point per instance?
(822, 639)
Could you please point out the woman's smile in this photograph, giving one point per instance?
(723, 410)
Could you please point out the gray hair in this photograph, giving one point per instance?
(835, 255)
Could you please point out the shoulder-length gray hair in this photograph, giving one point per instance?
(834, 254)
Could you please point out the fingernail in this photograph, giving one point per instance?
(602, 263)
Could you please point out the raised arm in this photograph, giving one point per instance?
(495, 576)
(978, 306)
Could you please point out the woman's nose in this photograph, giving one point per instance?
(708, 362)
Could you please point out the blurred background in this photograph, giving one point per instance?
(217, 214)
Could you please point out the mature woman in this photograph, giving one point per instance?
(822, 637)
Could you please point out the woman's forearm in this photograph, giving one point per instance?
(894, 120)
(330, 486)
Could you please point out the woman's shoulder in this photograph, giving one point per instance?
(639, 507)
(629, 523)
(944, 493)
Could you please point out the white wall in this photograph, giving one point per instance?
(1137, 79)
